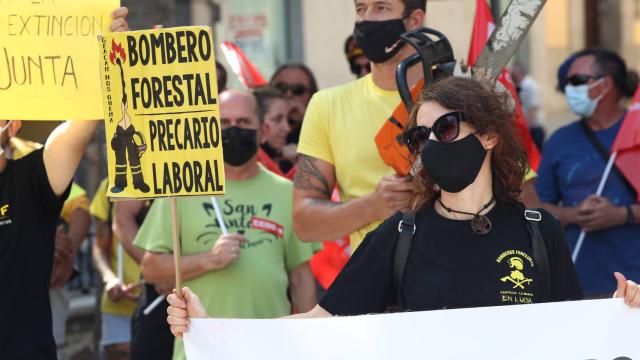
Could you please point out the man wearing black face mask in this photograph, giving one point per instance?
(246, 272)
(337, 141)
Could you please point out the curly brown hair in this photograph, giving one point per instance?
(489, 112)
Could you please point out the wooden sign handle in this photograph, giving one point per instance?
(176, 245)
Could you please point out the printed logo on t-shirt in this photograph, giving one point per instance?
(240, 217)
(516, 284)
(268, 226)
(4, 215)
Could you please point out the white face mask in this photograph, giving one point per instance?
(3, 129)
(579, 101)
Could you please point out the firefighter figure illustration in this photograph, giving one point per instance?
(123, 143)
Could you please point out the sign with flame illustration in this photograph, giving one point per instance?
(161, 113)
(48, 58)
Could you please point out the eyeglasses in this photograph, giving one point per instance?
(581, 79)
(359, 69)
(296, 89)
(446, 129)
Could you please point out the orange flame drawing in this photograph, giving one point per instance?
(117, 51)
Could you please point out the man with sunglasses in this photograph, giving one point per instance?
(573, 163)
(337, 141)
(358, 62)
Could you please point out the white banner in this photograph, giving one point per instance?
(581, 330)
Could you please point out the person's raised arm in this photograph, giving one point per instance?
(64, 149)
(65, 146)
(316, 217)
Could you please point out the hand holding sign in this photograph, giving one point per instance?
(180, 310)
(119, 22)
(628, 290)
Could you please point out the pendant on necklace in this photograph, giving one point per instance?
(481, 225)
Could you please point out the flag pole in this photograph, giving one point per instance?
(216, 209)
(120, 263)
(603, 180)
(176, 246)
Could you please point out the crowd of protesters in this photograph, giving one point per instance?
(305, 159)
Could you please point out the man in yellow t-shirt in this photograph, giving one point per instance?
(337, 141)
(120, 295)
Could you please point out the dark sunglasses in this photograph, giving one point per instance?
(581, 79)
(296, 89)
(446, 129)
(358, 69)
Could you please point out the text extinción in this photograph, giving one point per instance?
(47, 58)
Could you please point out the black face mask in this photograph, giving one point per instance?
(239, 145)
(379, 40)
(453, 165)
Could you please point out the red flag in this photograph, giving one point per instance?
(247, 73)
(483, 25)
(627, 144)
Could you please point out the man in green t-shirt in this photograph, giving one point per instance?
(246, 273)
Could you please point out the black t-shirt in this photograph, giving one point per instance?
(449, 266)
(29, 211)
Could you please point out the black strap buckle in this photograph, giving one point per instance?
(533, 215)
(409, 230)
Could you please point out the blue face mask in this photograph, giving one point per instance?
(579, 101)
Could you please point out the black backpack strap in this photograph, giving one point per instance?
(406, 230)
(540, 254)
(604, 154)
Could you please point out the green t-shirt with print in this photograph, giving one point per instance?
(255, 286)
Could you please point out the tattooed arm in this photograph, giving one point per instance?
(317, 218)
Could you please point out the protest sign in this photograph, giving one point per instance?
(161, 113)
(597, 330)
(48, 58)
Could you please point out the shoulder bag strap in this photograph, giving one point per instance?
(604, 153)
(540, 253)
(406, 230)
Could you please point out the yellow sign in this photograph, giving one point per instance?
(161, 113)
(48, 58)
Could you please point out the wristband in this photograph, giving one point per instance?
(630, 219)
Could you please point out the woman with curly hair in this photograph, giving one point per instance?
(471, 243)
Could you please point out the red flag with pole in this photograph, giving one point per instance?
(627, 145)
(483, 26)
(247, 73)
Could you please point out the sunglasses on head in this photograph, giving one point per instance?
(446, 129)
(296, 89)
(581, 79)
